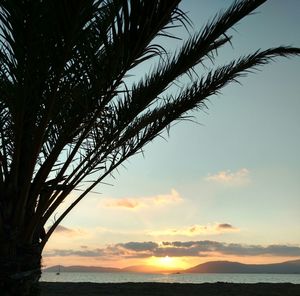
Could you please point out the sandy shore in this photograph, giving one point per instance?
(161, 289)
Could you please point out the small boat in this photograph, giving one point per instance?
(58, 272)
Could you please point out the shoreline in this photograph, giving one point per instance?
(169, 289)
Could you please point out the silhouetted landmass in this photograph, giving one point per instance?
(289, 267)
(79, 268)
(136, 268)
(149, 269)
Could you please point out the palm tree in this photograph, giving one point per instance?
(69, 115)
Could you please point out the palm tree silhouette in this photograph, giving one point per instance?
(68, 115)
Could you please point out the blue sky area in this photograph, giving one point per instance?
(239, 166)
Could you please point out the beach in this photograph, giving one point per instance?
(169, 289)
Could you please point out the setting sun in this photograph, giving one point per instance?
(167, 263)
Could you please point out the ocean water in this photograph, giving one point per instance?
(123, 277)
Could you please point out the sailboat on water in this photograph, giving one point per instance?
(58, 272)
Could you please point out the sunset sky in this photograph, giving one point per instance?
(224, 188)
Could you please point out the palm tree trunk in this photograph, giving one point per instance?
(20, 269)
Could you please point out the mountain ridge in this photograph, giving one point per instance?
(81, 268)
(150, 269)
(237, 267)
(286, 267)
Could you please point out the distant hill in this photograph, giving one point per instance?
(288, 267)
(149, 269)
(135, 268)
(78, 268)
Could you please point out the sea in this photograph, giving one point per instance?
(197, 278)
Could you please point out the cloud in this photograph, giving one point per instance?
(225, 226)
(124, 203)
(139, 246)
(71, 252)
(65, 231)
(195, 230)
(139, 202)
(238, 178)
(203, 248)
(206, 248)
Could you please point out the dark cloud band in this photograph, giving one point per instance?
(179, 249)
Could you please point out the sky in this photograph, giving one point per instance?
(224, 187)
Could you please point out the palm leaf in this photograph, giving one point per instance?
(68, 114)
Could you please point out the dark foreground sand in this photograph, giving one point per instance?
(161, 289)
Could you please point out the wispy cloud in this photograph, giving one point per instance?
(63, 229)
(226, 227)
(238, 178)
(72, 252)
(129, 203)
(139, 202)
(70, 232)
(139, 246)
(195, 230)
(203, 248)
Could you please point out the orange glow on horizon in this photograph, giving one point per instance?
(161, 263)
(167, 263)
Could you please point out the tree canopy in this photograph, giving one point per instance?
(68, 117)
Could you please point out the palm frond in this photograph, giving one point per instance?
(69, 116)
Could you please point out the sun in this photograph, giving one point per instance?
(166, 263)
